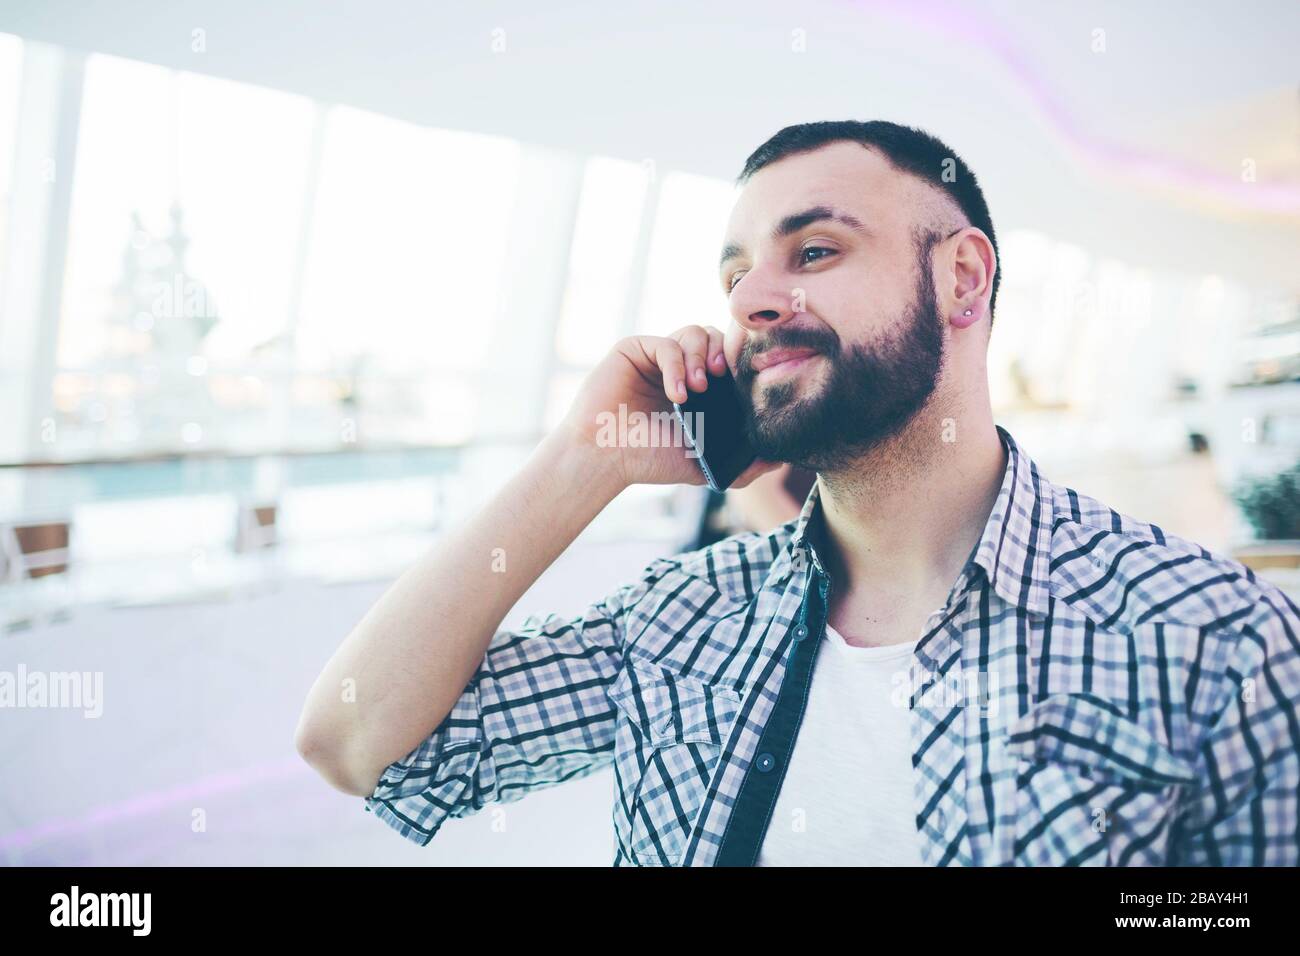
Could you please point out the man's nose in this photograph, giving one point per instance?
(761, 302)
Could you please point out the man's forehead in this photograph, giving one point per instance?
(846, 177)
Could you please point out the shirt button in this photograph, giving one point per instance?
(801, 632)
(765, 763)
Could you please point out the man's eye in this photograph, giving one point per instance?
(802, 252)
(731, 283)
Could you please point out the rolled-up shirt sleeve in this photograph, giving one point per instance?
(535, 713)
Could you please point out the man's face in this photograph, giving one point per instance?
(824, 272)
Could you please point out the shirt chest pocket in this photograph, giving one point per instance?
(671, 731)
(1093, 787)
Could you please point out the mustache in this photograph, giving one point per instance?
(817, 338)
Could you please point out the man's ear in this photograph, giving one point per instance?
(974, 268)
(968, 316)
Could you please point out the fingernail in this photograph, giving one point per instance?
(699, 375)
(681, 389)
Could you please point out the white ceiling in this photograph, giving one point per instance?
(1136, 151)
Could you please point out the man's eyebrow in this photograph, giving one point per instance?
(793, 223)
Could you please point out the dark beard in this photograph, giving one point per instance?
(871, 393)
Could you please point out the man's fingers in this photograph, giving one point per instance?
(694, 340)
(668, 356)
(685, 359)
(717, 360)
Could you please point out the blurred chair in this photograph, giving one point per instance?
(255, 527)
(34, 550)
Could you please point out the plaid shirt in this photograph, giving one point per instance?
(1093, 691)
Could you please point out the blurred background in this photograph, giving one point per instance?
(288, 289)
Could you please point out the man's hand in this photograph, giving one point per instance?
(647, 373)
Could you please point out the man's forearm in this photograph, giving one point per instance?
(413, 654)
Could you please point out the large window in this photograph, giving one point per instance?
(217, 294)
(681, 286)
(602, 267)
(11, 66)
(677, 280)
(405, 263)
(181, 250)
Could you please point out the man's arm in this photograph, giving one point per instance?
(410, 658)
(397, 677)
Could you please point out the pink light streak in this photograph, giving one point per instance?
(153, 801)
(968, 27)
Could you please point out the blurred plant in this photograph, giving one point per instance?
(1272, 504)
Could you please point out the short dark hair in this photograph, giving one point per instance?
(909, 150)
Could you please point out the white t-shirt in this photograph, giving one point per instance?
(847, 797)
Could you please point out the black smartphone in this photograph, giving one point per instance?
(712, 421)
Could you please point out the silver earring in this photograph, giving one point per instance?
(968, 312)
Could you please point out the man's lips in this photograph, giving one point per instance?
(781, 359)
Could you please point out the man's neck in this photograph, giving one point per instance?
(903, 519)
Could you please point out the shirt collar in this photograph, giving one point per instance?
(1013, 552)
